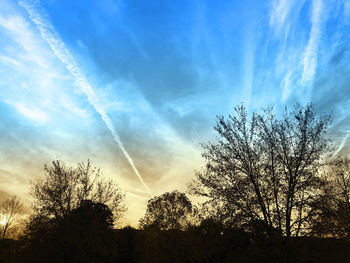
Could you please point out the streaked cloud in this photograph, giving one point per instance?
(310, 59)
(280, 11)
(9, 60)
(341, 145)
(51, 37)
(72, 73)
(347, 9)
(32, 113)
(286, 85)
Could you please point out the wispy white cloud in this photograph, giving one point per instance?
(12, 61)
(71, 107)
(279, 13)
(18, 29)
(28, 74)
(311, 51)
(162, 156)
(347, 9)
(286, 85)
(32, 113)
(58, 47)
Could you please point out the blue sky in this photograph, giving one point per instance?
(136, 85)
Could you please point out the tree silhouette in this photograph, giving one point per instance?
(168, 211)
(264, 168)
(87, 233)
(332, 208)
(74, 213)
(10, 208)
(64, 188)
(84, 235)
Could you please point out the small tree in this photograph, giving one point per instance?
(264, 169)
(64, 188)
(10, 209)
(168, 211)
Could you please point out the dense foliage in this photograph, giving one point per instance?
(168, 211)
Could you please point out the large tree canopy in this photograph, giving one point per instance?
(168, 211)
(263, 168)
(64, 188)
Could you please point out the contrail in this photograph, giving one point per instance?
(341, 144)
(48, 33)
(311, 50)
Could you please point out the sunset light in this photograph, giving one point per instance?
(174, 131)
(3, 221)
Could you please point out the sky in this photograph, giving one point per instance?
(135, 86)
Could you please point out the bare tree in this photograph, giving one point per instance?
(331, 215)
(168, 211)
(10, 209)
(64, 188)
(264, 168)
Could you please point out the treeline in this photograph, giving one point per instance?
(202, 244)
(273, 192)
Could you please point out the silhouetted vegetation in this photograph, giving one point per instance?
(169, 211)
(84, 235)
(272, 194)
(64, 188)
(207, 243)
(265, 169)
(10, 209)
(331, 210)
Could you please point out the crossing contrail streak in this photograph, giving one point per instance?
(49, 35)
(341, 144)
